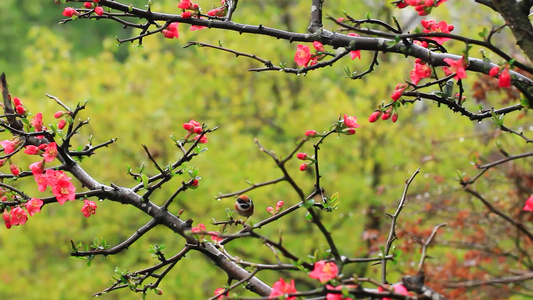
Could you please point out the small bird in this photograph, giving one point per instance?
(244, 206)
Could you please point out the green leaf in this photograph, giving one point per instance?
(144, 179)
(483, 34)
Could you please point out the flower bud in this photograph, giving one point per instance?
(303, 167)
(302, 156)
(311, 133)
(374, 116)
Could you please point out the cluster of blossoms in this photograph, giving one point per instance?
(324, 272)
(504, 78)
(303, 56)
(423, 7)
(201, 230)
(194, 127)
(440, 27)
(388, 114)
(193, 10)
(345, 125)
(276, 210)
(18, 215)
(61, 185)
(70, 12)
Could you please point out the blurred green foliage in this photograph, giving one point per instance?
(142, 95)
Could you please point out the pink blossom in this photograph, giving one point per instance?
(88, 208)
(356, 53)
(529, 204)
(31, 150)
(504, 81)
(458, 66)
(302, 56)
(99, 10)
(50, 152)
(324, 271)
(302, 155)
(37, 122)
(350, 121)
(18, 216)
(282, 288)
(311, 133)
(9, 146)
(34, 206)
(7, 218)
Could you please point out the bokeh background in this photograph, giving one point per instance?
(142, 95)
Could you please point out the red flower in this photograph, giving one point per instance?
(62, 188)
(18, 216)
(69, 12)
(9, 146)
(203, 139)
(88, 208)
(217, 12)
(398, 92)
(458, 66)
(357, 53)
(398, 288)
(34, 206)
(374, 116)
(88, 5)
(279, 205)
(432, 26)
(37, 168)
(186, 14)
(7, 219)
(31, 150)
(185, 4)
(421, 70)
(318, 46)
(171, 31)
(335, 296)
(324, 271)
(99, 10)
(270, 210)
(504, 81)
(394, 118)
(58, 114)
(14, 169)
(301, 155)
(50, 152)
(220, 293)
(529, 204)
(37, 122)
(302, 56)
(214, 236)
(303, 167)
(42, 182)
(197, 27)
(350, 121)
(281, 288)
(311, 133)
